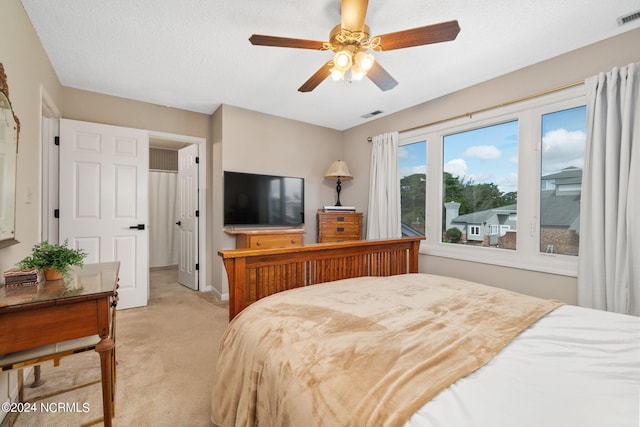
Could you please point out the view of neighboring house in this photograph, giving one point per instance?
(560, 211)
(485, 228)
(559, 217)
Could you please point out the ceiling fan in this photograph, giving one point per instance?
(350, 41)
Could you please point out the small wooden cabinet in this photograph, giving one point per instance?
(339, 226)
(268, 238)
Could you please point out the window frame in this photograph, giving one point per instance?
(529, 114)
(426, 176)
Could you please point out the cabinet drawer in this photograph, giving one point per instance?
(339, 218)
(274, 241)
(340, 228)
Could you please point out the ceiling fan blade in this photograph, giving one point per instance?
(258, 39)
(317, 78)
(442, 32)
(353, 14)
(381, 77)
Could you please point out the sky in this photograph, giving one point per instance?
(490, 154)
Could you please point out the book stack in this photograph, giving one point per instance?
(15, 277)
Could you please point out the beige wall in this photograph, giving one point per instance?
(556, 72)
(28, 72)
(112, 110)
(261, 143)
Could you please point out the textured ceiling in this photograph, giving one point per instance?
(194, 54)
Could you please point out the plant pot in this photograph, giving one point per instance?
(53, 274)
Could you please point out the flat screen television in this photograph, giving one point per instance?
(252, 199)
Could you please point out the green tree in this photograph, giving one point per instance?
(413, 200)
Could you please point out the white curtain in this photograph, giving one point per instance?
(163, 215)
(383, 218)
(609, 262)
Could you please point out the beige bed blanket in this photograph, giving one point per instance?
(368, 351)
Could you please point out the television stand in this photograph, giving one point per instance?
(267, 238)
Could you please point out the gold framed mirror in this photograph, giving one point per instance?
(9, 131)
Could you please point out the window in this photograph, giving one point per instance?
(480, 175)
(491, 174)
(563, 138)
(412, 163)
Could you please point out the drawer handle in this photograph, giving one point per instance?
(258, 243)
(340, 218)
(293, 240)
(340, 229)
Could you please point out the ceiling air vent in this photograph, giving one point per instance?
(628, 18)
(371, 114)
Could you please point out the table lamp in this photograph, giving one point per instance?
(338, 171)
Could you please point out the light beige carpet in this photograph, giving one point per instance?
(166, 354)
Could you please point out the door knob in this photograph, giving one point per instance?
(137, 227)
(179, 223)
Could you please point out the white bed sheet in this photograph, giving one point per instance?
(574, 367)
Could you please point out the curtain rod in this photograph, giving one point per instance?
(482, 110)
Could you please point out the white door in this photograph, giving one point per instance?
(104, 200)
(188, 220)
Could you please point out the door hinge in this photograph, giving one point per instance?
(56, 213)
(56, 140)
(197, 267)
(197, 213)
(197, 159)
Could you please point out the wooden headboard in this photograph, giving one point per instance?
(257, 273)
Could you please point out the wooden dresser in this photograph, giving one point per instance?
(339, 226)
(267, 238)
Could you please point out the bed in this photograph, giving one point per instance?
(423, 350)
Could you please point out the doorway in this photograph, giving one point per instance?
(177, 214)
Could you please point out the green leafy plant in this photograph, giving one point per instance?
(46, 255)
(454, 235)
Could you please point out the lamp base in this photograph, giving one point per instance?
(338, 188)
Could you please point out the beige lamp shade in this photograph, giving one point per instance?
(338, 171)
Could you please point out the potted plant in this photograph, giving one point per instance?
(55, 260)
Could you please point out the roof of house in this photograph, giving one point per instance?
(571, 173)
(559, 211)
(482, 216)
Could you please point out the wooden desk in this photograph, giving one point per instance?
(62, 310)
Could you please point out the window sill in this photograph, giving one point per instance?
(564, 265)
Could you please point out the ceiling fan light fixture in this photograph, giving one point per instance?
(365, 61)
(350, 41)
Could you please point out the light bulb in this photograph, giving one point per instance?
(365, 61)
(356, 72)
(337, 74)
(342, 60)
